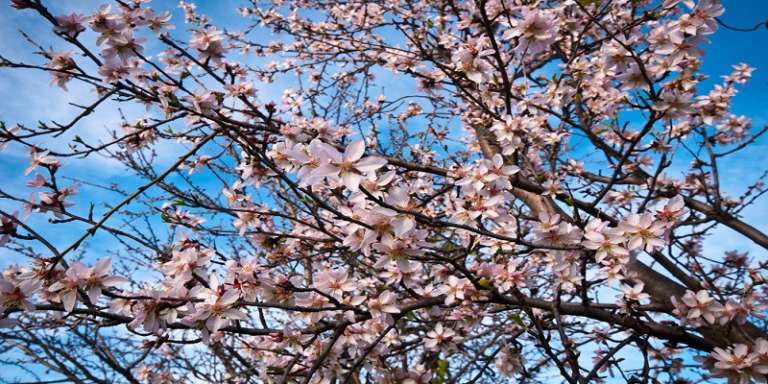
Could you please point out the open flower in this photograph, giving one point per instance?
(348, 167)
(635, 293)
(66, 287)
(70, 25)
(92, 280)
(643, 232)
(441, 337)
(208, 43)
(535, 32)
(98, 277)
(17, 294)
(334, 283)
(383, 304)
(454, 289)
(604, 241)
(697, 308)
(738, 364)
(217, 308)
(38, 158)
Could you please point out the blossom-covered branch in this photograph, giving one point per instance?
(382, 192)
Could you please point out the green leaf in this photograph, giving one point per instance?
(517, 319)
(440, 372)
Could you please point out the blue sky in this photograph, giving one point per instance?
(27, 97)
(728, 48)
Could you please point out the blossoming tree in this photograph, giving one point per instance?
(446, 191)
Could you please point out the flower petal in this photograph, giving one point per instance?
(370, 164)
(354, 151)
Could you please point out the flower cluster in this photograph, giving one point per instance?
(394, 192)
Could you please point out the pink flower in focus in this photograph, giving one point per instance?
(349, 167)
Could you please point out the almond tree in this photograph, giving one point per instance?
(440, 191)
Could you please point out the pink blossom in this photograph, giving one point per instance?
(697, 308)
(441, 337)
(535, 32)
(208, 43)
(217, 308)
(18, 294)
(70, 25)
(349, 167)
(454, 289)
(124, 45)
(643, 232)
(93, 280)
(335, 283)
(383, 304)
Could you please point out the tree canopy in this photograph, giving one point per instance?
(440, 191)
